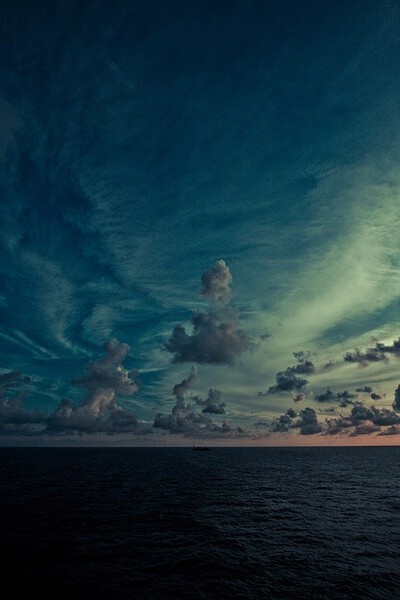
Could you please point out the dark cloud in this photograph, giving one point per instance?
(298, 397)
(264, 336)
(215, 336)
(286, 381)
(281, 424)
(337, 425)
(376, 354)
(327, 396)
(212, 404)
(384, 417)
(215, 283)
(364, 429)
(344, 398)
(359, 412)
(396, 401)
(289, 380)
(182, 387)
(211, 341)
(308, 422)
(392, 430)
(368, 390)
(14, 417)
(365, 420)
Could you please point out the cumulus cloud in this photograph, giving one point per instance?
(392, 430)
(344, 398)
(183, 417)
(215, 283)
(182, 387)
(364, 429)
(308, 422)
(396, 401)
(298, 397)
(327, 396)
(104, 380)
(215, 336)
(377, 353)
(289, 380)
(375, 396)
(365, 420)
(283, 423)
(213, 403)
(14, 418)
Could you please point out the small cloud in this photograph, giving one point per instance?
(344, 398)
(396, 401)
(372, 355)
(392, 430)
(215, 283)
(289, 380)
(182, 387)
(329, 365)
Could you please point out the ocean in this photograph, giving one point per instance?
(161, 523)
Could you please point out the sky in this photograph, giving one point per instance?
(199, 222)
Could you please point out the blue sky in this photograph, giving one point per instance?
(143, 142)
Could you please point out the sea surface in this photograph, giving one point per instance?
(249, 523)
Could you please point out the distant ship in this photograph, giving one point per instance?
(201, 448)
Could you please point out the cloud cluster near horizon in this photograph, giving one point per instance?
(107, 382)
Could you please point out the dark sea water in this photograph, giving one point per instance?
(315, 523)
